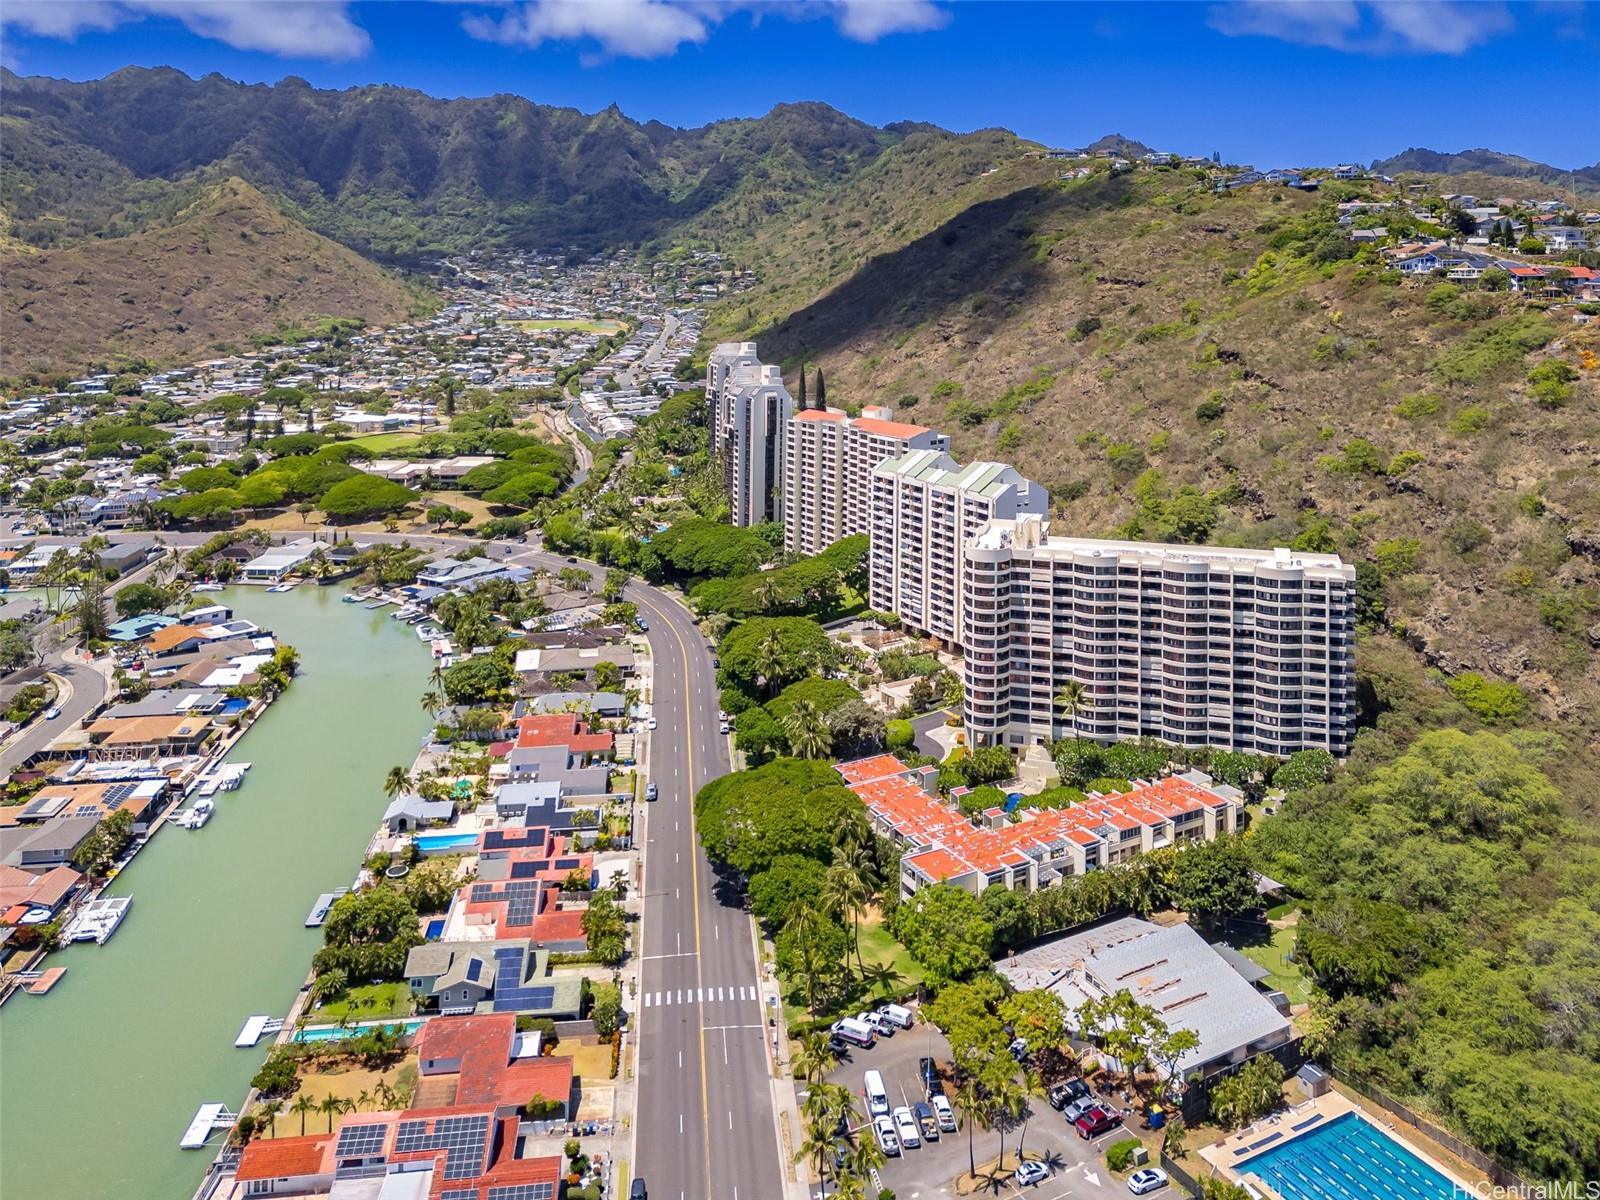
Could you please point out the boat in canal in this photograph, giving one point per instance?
(97, 920)
(196, 816)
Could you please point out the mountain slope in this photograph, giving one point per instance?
(1123, 338)
(230, 265)
(391, 171)
(1481, 162)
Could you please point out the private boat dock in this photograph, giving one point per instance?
(37, 983)
(207, 1120)
(319, 910)
(256, 1028)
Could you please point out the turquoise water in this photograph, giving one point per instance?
(1348, 1159)
(430, 842)
(332, 1033)
(99, 1078)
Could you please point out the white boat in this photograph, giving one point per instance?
(205, 587)
(98, 920)
(429, 633)
(405, 614)
(197, 816)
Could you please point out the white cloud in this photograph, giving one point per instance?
(658, 28)
(623, 28)
(292, 28)
(1367, 26)
(869, 20)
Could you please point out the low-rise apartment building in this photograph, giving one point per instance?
(941, 845)
(749, 410)
(924, 510)
(828, 462)
(1194, 645)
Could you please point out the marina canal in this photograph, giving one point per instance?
(99, 1078)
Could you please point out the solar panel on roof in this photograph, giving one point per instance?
(567, 864)
(357, 1140)
(459, 1194)
(523, 1191)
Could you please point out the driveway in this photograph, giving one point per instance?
(929, 1172)
(924, 727)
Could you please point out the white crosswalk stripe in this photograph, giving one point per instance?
(721, 994)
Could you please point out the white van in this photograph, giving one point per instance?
(897, 1013)
(857, 1033)
(877, 1095)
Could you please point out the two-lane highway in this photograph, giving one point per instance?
(704, 1118)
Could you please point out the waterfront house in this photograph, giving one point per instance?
(564, 729)
(35, 897)
(502, 975)
(141, 799)
(605, 705)
(463, 1152)
(409, 812)
(492, 1063)
(275, 564)
(559, 765)
(113, 739)
(41, 847)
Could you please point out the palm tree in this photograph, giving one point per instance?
(972, 1103)
(846, 893)
(864, 1157)
(769, 662)
(268, 1114)
(1006, 1097)
(1073, 698)
(396, 781)
(302, 1106)
(330, 1107)
(432, 702)
(767, 596)
(1029, 1084)
(806, 727)
(364, 1098)
(803, 919)
(824, 1105)
(385, 1095)
(815, 1057)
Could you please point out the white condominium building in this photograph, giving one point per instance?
(1194, 645)
(924, 510)
(749, 408)
(828, 462)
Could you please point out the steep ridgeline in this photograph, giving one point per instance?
(228, 265)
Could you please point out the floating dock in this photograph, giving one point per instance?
(256, 1028)
(39, 982)
(207, 1120)
(319, 910)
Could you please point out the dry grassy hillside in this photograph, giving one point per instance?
(1177, 364)
(230, 265)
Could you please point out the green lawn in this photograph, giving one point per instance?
(382, 443)
(570, 323)
(1285, 976)
(368, 1002)
(878, 948)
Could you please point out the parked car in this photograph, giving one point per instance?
(644, 626)
(724, 727)
(928, 1070)
(906, 1126)
(926, 1121)
(888, 1142)
(882, 1025)
(1078, 1107)
(1031, 1174)
(1063, 1094)
(943, 1111)
(1147, 1180)
(650, 791)
(1019, 1048)
(899, 1014)
(51, 713)
(650, 724)
(1096, 1121)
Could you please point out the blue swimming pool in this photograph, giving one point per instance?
(435, 929)
(433, 843)
(1348, 1159)
(331, 1033)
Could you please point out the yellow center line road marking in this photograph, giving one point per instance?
(694, 867)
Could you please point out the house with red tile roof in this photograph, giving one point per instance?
(1041, 847)
(563, 729)
(491, 1063)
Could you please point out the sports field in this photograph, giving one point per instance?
(573, 323)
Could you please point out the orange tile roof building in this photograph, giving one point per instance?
(1045, 846)
(828, 462)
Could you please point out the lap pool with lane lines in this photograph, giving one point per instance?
(1349, 1159)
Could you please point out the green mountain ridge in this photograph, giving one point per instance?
(1420, 160)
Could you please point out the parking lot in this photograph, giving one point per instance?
(1078, 1168)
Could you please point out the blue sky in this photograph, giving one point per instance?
(1264, 81)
